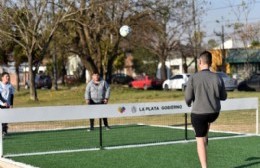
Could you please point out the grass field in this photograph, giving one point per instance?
(76, 139)
(226, 153)
(235, 152)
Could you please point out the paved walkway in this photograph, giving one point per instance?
(7, 163)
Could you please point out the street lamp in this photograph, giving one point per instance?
(223, 52)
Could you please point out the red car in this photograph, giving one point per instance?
(146, 82)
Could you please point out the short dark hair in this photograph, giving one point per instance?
(4, 73)
(206, 56)
(95, 72)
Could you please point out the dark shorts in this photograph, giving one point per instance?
(200, 123)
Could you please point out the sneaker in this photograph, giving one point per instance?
(91, 129)
(107, 128)
(4, 133)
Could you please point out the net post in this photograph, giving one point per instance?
(100, 133)
(257, 121)
(1, 141)
(186, 126)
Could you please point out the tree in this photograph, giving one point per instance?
(242, 29)
(33, 29)
(19, 57)
(212, 43)
(96, 36)
(164, 28)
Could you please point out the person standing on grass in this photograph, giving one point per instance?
(97, 92)
(205, 90)
(6, 96)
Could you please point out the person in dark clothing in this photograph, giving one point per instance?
(204, 92)
(6, 96)
(97, 92)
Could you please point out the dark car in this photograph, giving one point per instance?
(41, 81)
(230, 83)
(250, 84)
(121, 79)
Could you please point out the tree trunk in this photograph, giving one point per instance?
(17, 78)
(163, 67)
(163, 71)
(33, 92)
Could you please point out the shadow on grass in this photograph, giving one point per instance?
(255, 159)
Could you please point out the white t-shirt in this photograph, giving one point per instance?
(6, 91)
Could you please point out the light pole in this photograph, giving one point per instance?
(223, 52)
(195, 35)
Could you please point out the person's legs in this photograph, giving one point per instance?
(202, 151)
(91, 124)
(4, 125)
(106, 123)
(200, 125)
(206, 138)
(4, 128)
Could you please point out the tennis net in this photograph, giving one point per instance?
(62, 129)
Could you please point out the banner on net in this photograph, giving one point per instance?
(55, 113)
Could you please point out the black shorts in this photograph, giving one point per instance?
(200, 123)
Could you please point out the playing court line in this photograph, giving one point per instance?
(122, 147)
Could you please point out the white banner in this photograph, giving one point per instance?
(55, 113)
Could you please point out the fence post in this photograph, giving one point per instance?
(1, 141)
(257, 121)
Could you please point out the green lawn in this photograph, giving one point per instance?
(228, 153)
(74, 139)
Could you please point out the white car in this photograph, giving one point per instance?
(176, 82)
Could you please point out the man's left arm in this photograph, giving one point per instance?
(223, 93)
(189, 94)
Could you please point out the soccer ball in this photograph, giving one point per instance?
(124, 30)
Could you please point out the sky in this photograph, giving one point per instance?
(220, 10)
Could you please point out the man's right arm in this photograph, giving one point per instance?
(3, 100)
(87, 93)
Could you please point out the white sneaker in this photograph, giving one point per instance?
(107, 128)
(90, 129)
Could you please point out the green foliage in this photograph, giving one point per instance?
(255, 44)
(237, 26)
(145, 61)
(119, 62)
(19, 55)
(3, 56)
(212, 43)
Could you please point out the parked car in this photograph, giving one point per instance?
(250, 84)
(176, 82)
(121, 79)
(230, 83)
(146, 82)
(71, 79)
(41, 81)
